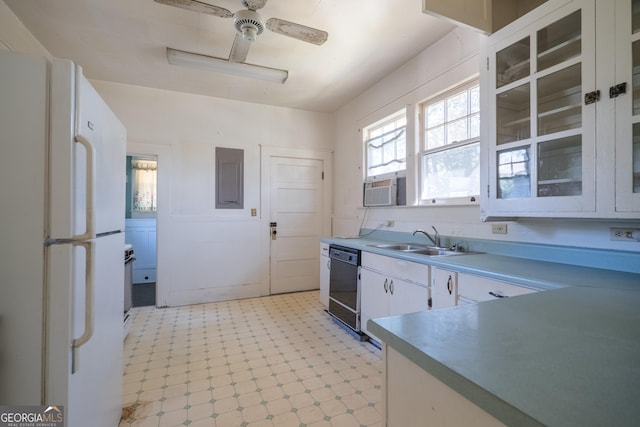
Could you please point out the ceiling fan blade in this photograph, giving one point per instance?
(254, 4)
(240, 49)
(198, 6)
(297, 31)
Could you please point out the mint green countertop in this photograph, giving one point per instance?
(568, 356)
(526, 272)
(564, 357)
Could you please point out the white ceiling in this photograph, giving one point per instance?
(125, 41)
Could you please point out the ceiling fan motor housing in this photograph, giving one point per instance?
(249, 23)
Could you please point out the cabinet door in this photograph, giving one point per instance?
(407, 297)
(374, 297)
(325, 269)
(627, 105)
(540, 122)
(444, 287)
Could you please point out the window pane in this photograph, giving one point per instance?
(513, 174)
(474, 99)
(375, 155)
(474, 126)
(457, 106)
(389, 151)
(451, 173)
(636, 158)
(386, 146)
(560, 167)
(435, 137)
(457, 131)
(512, 62)
(513, 115)
(435, 114)
(560, 101)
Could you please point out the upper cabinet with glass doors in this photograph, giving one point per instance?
(548, 135)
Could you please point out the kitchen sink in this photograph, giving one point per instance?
(420, 249)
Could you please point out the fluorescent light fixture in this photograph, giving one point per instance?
(211, 63)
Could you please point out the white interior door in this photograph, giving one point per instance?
(296, 190)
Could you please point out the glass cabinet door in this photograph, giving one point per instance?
(540, 114)
(635, 141)
(628, 107)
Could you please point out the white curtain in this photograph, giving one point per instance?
(145, 186)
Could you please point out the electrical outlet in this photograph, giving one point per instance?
(625, 234)
(500, 228)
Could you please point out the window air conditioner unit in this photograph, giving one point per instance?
(380, 193)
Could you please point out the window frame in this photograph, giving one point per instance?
(422, 151)
(397, 115)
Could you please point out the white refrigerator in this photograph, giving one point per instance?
(62, 191)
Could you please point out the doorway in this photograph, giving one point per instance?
(141, 226)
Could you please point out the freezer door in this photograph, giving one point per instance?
(84, 340)
(87, 158)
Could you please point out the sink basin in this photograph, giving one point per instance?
(420, 249)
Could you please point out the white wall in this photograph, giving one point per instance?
(443, 65)
(206, 254)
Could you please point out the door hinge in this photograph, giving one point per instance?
(488, 190)
(591, 97)
(617, 90)
(322, 175)
(487, 63)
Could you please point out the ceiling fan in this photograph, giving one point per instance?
(249, 24)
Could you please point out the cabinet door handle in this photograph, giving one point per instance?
(493, 294)
(450, 285)
(386, 286)
(391, 287)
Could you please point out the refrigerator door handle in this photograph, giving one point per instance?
(88, 311)
(90, 180)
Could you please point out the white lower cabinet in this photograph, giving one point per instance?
(391, 286)
(325, 269)
(444, 287)
(450, 288)
(413, 397)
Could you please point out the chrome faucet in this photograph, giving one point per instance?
(435, 239)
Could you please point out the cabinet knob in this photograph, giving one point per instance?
(391, 287)
(386, 286)
(450, 285)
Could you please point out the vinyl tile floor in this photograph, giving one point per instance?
(276, 361)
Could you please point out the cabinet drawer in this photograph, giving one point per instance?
(406, 270)
(144, 275)
(475, 288)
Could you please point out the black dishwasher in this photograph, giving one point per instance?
(344, 286)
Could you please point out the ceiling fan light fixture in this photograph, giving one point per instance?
(212, 63)
(249, 32)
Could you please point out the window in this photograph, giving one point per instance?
(142, 199)
(386, 145)
(450, 145)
